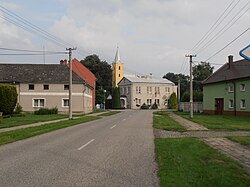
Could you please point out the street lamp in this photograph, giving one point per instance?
(104, 99)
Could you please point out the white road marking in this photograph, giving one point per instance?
(85, 144)
(124, 119)
(113, 127)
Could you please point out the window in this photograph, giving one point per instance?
(65, 103)
(138, 101)
(125, 90)
(157, 90)
(38, 102)
(66, 87)
(157, 101)
(242, 104)
(46, 87)
(167, 89)
(230, 103)
(119, 68)
(149, 89)
(31, 86)
(149, 102)
(119, 75)
(138, 89)
(128, 90)
(230, 88)
(242, 87)
(121, 90)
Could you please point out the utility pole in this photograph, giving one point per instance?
(191, 84)
(70, 81)
(179, 94)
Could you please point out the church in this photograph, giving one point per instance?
(136, 90)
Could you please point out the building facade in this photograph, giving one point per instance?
(137, 90)
(227, 91)
(40, 86)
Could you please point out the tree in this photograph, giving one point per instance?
(200, 73)
(184, 80)
(116, 104)
(103, 72)
(8, 98)
(172, 101)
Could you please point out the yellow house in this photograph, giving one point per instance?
(117, 69)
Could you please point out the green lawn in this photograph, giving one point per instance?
(29, 119)
(220, 122)
(109, 113)
(190, 162)
(242, 140)
(15, 135)
(161, 120)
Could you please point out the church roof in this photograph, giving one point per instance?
(117, 56)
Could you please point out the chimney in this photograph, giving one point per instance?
(230, 61)
(63, 62)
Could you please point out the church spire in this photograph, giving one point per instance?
(117, 56)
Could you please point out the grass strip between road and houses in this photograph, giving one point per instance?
(15, 135)
(220, 122)
(161, 120)
(244, 140)
(109, 113)
(190, 162)
(29, 119)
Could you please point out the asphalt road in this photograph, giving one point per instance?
(115, 151)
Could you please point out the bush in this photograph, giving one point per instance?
(144, 106)
(116, 103)
(18, 109)
(1, 119)
(46, 111)
(154, 106)
(173, 101)
(8, 99)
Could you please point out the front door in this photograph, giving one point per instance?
(219, 106)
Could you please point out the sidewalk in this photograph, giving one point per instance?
(215, 139)
(44, 123)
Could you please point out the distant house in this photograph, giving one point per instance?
(136, 90)
(40, 85)
(85, 73)
(227, 91)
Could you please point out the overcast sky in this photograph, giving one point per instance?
(153, 35)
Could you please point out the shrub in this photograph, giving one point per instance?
(172, 101)
(8, 98)
(154, 106)
(1, 119)
(46, 111)
(18, 109)
(144, 106)
(116, 103)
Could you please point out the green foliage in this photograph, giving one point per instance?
(8, 98)
(100, 96)
(46, 111)
(103, 72)
(154, 106)
(200, 73)
(1, 119)
(116, 103)
(173, 101)
(144, 106)
(18, 109)
(197, 96)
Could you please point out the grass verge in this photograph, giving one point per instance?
(241, 139)
(29, 119)
(110, 113)
(190, 162)
(220, 122)
(15, 135)
(161, 120)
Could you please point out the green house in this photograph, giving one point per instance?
(227, 91)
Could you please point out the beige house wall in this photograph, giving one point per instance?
(81, 97)
(133, 96)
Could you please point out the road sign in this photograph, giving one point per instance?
(245, 53)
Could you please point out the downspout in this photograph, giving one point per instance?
(234, 98)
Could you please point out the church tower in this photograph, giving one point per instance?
(117, 69)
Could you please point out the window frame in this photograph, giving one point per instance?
(29, 86)
(65, 86)
(231, 103)
(242, 87)
(242, 104)
(63, 99)
(45, 86)
(39, 102)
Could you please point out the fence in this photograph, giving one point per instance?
(185, 106)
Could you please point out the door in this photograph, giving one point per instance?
(219, 106)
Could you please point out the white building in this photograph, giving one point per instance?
(136, 90)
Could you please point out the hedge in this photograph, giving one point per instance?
(8, 98)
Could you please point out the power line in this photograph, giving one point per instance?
(228, 44)
(28, 50)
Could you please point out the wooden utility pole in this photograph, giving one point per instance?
(191, 84)
(70, 81)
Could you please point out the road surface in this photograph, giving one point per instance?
(114, 151)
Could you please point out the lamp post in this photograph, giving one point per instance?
(104, 99)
